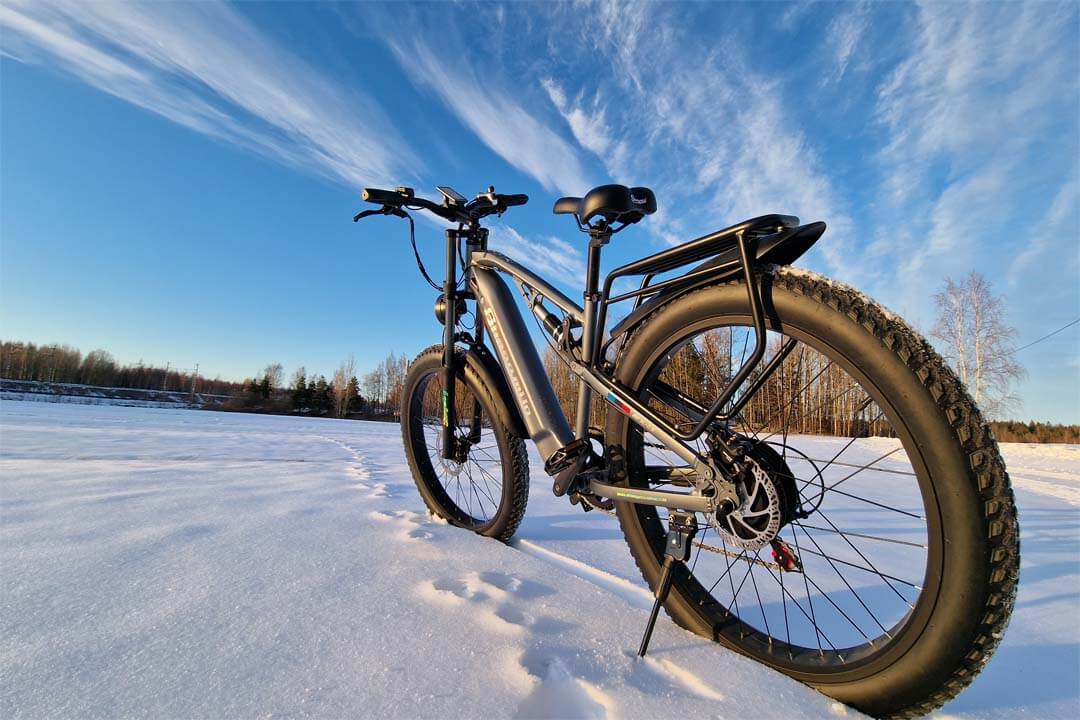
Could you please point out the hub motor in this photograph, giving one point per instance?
(769, 499)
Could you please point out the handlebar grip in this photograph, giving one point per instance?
(512, 200)
(382, 197)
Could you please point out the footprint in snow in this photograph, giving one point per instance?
(412, 526)
(559, 694)
(496, 596)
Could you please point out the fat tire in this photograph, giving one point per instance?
(983, 545)
(515, 460)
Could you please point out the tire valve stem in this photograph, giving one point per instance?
(785, 557)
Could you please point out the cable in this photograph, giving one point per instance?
(419, 262)
(1048, 335)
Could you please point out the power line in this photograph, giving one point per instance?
(1048, 335)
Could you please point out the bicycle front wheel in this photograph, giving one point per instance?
(485, 487)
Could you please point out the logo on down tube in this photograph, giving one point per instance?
(619, 404)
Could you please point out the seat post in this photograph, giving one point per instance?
(591, 334)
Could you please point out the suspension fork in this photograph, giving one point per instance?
(449, 359)
(477, 241)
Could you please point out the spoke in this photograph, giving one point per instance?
(848, 585)
(786, 592)
(865, 569)
(858, 535)
(487, 487)
(478, 500)
(783, 599)
(866, 559)
(850, 443)
(734, 595)
(761, 605)
(487, 455)
(727, 560)
(487, 493)
(806, 586)
(738, 590)
(853, 465)
(864, 467)
(468, 504)
(793, 399)
(495, 480)
(697, 554)
(787, 415)
(880, 505)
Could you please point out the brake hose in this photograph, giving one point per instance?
(416, 253)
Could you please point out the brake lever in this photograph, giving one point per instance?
(384, 210)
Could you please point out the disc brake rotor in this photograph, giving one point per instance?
(757, 520)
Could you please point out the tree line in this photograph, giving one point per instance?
(374, 395)
(806, 394)
(65, 364)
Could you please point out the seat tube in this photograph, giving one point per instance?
(590, 333)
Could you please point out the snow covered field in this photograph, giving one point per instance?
(176, 563)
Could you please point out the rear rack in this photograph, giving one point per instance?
(723, 241)
(732, 249)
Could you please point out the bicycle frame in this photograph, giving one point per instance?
(532, 392)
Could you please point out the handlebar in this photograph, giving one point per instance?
(382, 197)
(512, 200)
(485, 204)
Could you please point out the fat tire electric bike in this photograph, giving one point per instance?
(856, 498)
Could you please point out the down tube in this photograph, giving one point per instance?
(529, 384)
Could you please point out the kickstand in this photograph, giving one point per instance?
(681, 530)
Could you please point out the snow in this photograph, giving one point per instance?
(180, 563)
(8, 395)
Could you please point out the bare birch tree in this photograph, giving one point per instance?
(342, 376)
(978, 341)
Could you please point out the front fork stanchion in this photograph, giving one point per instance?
(682, 527)
(449, 408)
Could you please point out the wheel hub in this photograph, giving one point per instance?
(768, 500)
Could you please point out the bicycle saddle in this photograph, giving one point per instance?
(614, 203)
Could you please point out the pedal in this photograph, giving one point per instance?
(565, 479)
(682, 527)
(567, 463)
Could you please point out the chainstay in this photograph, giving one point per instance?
(710, 548)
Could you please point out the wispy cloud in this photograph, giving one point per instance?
(981, 85)
(843, 36)
(550, 256)
(587, 124)
(714, 136)
(794, 13)
(502, 124)
(208, 68)
(1059, 223)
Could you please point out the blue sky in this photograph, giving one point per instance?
(176, 180)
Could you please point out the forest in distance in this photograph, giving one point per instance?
(817, 398)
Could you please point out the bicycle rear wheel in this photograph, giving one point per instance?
(875, 553)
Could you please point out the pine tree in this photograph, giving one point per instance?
(301, 398)
(320, 396)
(352, 400)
